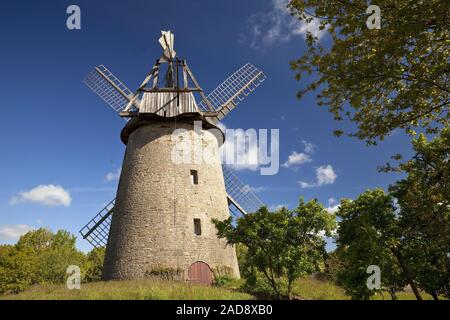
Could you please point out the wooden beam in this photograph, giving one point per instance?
(156, 75)
(172, 90)
(231, 200)
(128, 114)
(142, 86)
(114, 85)
(185, 78)
(201, 92)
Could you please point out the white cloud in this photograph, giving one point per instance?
(333, 205)
(277, 25)
(324, 175)
(113, 176)
(277, 207)
(332, 201)
(296, 159)
(13, 232)
(250, 188)
(322, 234)
(47, 195)
(304, 184)
(299, 158)
(309, 147)
(333, 209)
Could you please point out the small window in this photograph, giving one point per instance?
(197, 227)
(194, 177)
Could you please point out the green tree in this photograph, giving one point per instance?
(282, 245)
(94, 264)
(60, 253)
(334, 265)
(380, 79)
(36, 240)
(424, 199)
(40, 256)
(16, 269)
(369, 233)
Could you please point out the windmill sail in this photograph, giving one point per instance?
(234, 90)
(241, 200)
(108, 87)
(96, 231)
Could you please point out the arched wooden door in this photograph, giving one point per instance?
(200, 272)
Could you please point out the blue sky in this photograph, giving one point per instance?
(56, 132)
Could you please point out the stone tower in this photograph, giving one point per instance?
(163, 211)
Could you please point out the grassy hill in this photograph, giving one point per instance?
(148, 289)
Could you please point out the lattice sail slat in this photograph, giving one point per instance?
(234, 89)
(108, 87)
(96, 231)
(240, 192)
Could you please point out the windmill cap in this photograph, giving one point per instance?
(152, 119)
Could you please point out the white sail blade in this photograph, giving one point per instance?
(109, 88)
(234, 89)
(240, 196)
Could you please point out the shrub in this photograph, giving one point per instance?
(222, 281)
(94, 265)
(163, 273)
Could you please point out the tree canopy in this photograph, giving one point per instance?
(42, 257)
(424, 199)
(282, 245)
(379, 79)
(404, 233)
(369, 234)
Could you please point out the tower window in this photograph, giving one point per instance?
(194, 177)
(197, 227)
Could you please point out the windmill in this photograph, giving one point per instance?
(161, 216)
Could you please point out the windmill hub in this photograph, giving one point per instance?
(161, 217)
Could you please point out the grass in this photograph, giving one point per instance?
(147, 289)
(152, 289)
(313, 289)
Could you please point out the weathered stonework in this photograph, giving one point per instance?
(153, 221)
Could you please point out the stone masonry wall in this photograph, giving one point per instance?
(153, 221)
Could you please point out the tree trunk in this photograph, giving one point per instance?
(393, 294)
(272, 282)
(289, 289)
(435, 296)
(406, 272)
